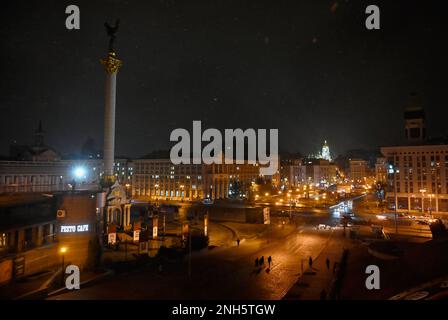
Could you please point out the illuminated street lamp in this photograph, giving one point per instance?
(157, 190)
(393, 170)
(423, 191)
(80, 172)
(182, 191)
(430, 203)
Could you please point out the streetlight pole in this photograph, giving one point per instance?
(430, 205)
(189, 248)
(164, 224)
(63, 250)
(395, 197)
(62, 269)
(422, 191)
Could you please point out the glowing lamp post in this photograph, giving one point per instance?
(182, 191)
(430, 204)
(79, 174)
(393, 170)
(63, 250)
(423, 191)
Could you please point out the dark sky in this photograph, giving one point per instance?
(295, 65)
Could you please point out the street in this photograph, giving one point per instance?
(225, 272)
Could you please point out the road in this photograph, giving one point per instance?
(226, 272)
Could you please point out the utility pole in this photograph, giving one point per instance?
(189, 248)
(63, 271)
(164, 223)
(395, 196)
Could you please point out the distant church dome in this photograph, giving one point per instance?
(326, 151)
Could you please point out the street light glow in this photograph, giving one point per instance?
(80, 172)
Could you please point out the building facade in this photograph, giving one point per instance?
(420, 177)
(318, 171)
(291, 172)
(381, 170)
(414, 121)
(359, 170)
(160, 179)
(47, 176)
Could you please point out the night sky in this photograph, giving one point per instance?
(312, 72)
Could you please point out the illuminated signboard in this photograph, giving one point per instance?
(154, 232)
(136, 235)
(112, 238)
(76, 228)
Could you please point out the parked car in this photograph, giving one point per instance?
(207, 201)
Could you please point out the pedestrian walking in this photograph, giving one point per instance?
(328, 264)
(269, 261)
(238, 242)
(262, 261)
(310, 262)
(160, 268)
(256, 262)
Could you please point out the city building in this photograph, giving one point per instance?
(229, 180)
(417, 170)
(38, 168)
(318, 171)
(37, 151)
(28, 221)
(160, 179)
(381, 167)
(27, 235)
(78, 227)
(420, 177)
(292, 172)
(323, 154)
(414, 121)
(47, 176)
(359, 170)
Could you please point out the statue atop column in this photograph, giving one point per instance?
(111, 31)
(111, 63)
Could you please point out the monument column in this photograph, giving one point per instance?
(111, 64)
